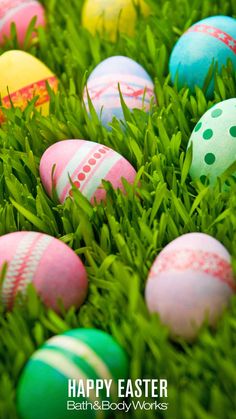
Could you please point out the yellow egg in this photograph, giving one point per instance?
(110, 17)
(22, 77)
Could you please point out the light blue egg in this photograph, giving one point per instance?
(210, 40)
(135, 84)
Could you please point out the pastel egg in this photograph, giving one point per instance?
(47, 263)
(190, 281)
(109, 19)
(213, 142)
(212, 40)
(82, 356)
(20, 12)
(103, 84)
(22, 77)
(86, 163)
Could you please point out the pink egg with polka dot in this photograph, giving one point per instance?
(86, 163)
(190, 281)
(20, 12)
(56, 272)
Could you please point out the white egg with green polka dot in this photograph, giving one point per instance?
(214, 142)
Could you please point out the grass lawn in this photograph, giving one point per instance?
(119, 240)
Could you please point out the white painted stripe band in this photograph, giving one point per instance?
(82, 350)
(101, 169)
(66, 367)
(81, 155)
(34, 245)
(11, 12)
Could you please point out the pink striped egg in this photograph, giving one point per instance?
(86, 163)
(191, 280)
(50, 265)
(21, 12)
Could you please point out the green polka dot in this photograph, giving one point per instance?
(207, 134)
(216, 113)
(198, 126)
(233, 131)
(204, 180)
(210, 158)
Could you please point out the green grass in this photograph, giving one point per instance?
(119, 240)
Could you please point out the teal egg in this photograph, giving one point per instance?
(213, 142)
(208, 42)
(79, 354)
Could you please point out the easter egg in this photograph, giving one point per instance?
(47, 263)
(109, 18)
(82, 356)
(20, 12)
(213, 142)
(86, 163)
(103, 84)
(190, 281)
(22, 77)
(212, 40)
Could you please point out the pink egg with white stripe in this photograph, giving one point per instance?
(191, 280)
(20, 12)
(56, 272)
(86, 163)
(112, 76)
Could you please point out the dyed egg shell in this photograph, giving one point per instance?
(190, 280)
(109, 18)
(87, 164)
(23, 76)
(80, 354)
(214, 142)
(47, 263)
(210, 39)
(136, 87)
(21, 12)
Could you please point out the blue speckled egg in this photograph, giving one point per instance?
(103, 88)
(210, 40)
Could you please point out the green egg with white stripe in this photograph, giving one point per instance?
(80, 355)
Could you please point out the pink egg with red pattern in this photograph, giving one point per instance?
(190, 281)
(20, 12)
(56, 272)
(86, 163)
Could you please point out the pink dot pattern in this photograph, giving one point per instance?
(90, 165)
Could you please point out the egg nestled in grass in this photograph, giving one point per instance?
(19, 12)
(213, 142)
(117, 75)
(190, 281)
(47, 263)
(109, 18)
(86, 164)
(23, 77)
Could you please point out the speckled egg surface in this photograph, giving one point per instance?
(214, 142)
(109, 18)
(87, 163)
(48, 263)
(190, 280)
(20, 12)
(213, 38)
(103, 87)
(22, 76)
(86, 355)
